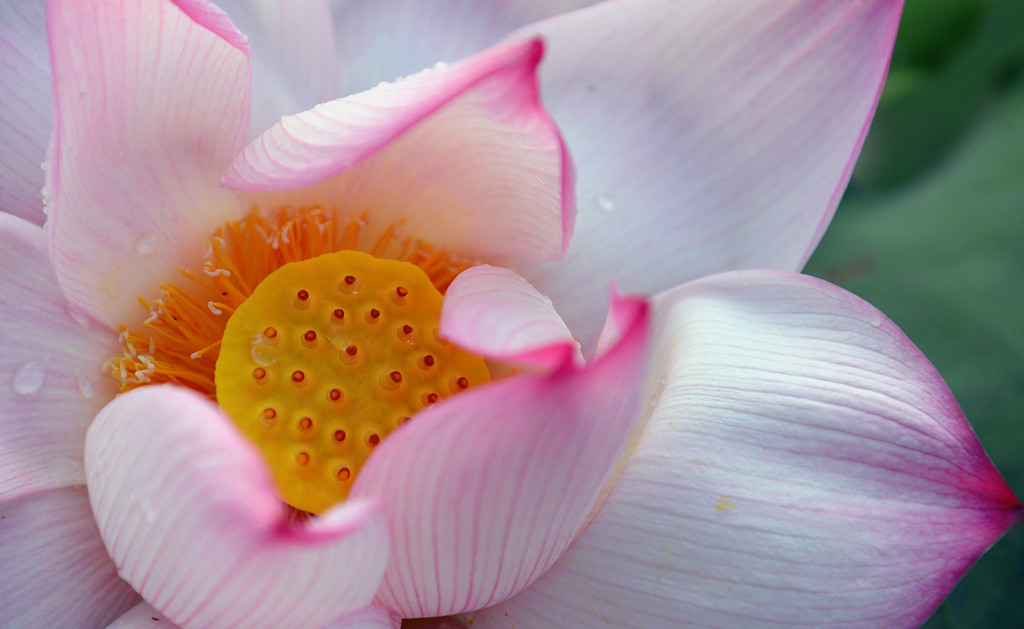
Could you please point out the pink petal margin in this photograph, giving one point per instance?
(486, 490)
(50, 364)
(189, 514)
(495, 313)
(56, 572)
(465, 155)
(210, 17)
(151, 107)
(803, 465)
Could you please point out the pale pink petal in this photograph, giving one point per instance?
(493, 312)
(710, 135)
(485, 490)
(52, 384)
(386, 39)
(151, 108)
(142, 616)
(56, 572)
(24, 107)
(465, 155)
(293, 53)
(370, 617)
(187, 510)
(804, 465)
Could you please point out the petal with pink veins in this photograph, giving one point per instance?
(56, 572)
(464, 155)
(188, 511)
(151, 107)
(710, 135)
(293, 54)
(495, 313)
(385, 39)
(25, 106)
(51, 359)
(803, 465)
(485, 490)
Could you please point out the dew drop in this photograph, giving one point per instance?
(85, 386)
(606, 202)
(28, 378)
(263, 355)
(262, 350)
(146, 245)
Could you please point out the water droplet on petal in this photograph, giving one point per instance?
(85, 386)
(146, 245)
(607, 202)
(28, 378)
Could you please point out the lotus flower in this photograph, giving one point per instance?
(742, 447)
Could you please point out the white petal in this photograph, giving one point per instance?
(293, 53)
(708, 135)
(51, 364)
(56, 572)
(385, 39)
(804, 465)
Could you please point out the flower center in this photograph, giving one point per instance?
(340, 375)
(327, 357)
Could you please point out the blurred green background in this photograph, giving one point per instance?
(931, 231)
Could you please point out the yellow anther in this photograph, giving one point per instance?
(326, 358)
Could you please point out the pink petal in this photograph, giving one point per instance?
(151, 108)
(465, 155)
(25, 107)
(370, 617)
(293, 53)
(187, 510)
(493, 312)
(710, 135)
(385, 39)
(804, 465)
(52, 385)
(56, 572)
(486, 490)
(142, 616)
